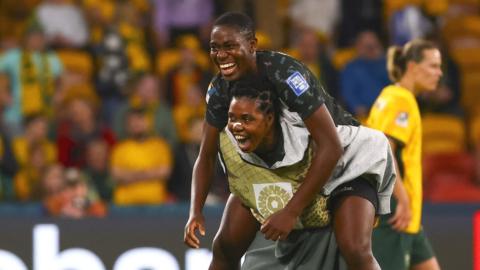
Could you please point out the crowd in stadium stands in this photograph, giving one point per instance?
(102, 102)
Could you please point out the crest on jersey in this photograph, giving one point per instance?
(298, 83)
(272, 197)
(402, 119)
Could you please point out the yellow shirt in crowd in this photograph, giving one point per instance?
(141, 155)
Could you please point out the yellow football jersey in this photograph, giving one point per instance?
(396, 113)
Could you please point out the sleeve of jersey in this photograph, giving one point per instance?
(217, 107)
(301, 91)
(392, 118)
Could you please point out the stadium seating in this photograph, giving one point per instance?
(448, 178)
(443, 134)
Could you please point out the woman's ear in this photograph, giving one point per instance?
(411, 65)
(270, 119)
(253, 45)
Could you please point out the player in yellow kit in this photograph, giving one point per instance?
(399, 242)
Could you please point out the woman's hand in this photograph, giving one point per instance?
(402, 216)
(195, 222)
(279, 225)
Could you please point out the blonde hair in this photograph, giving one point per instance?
(398, 57)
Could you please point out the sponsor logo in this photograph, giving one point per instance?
(402, 119)
(47, 255)
(272, 197)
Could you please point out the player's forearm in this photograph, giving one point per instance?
(201, 182)
(204, 168)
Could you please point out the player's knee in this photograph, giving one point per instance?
(224, 247)
(355, 251)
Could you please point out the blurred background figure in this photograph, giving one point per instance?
(189, 70)
(363, 78)
(80, 126)
(148, 93)
(97, 168)
(120, 49)
(67, 194)
(174, 18)
(320, 16)
(63, 23)
(32, 73)
(8, 164)
(33, 152)
(311, 47)
(141, 164)
(27, 180)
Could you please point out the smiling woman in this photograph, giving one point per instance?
(267, 153)
(232, 47)
(314, 115)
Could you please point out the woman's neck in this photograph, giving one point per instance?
(270, 142)
(407, 83)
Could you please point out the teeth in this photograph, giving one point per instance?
(227, 65)
(238, 137)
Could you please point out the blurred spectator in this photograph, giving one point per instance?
(408, 23)
(80, 127)
(63, 22)
(14, 17)
(356, 16)
(147, 94)
(31, 73)
(36, 131)
(186, 153)
(186, 73)
(120, 52)
(67, 194)
(322, 16)
(97, 168)
(27, 180)
(309, 48)
(174, 18)
(52, 181)
(140, 164)
(8, 167)
(365, 76)
(193, 108)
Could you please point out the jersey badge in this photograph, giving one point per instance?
(298, 83)
(402, 119)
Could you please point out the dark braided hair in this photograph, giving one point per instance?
(238, 20)
(259, 89)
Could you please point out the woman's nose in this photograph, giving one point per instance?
(237, 126)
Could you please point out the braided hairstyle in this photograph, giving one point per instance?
(258, 89)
